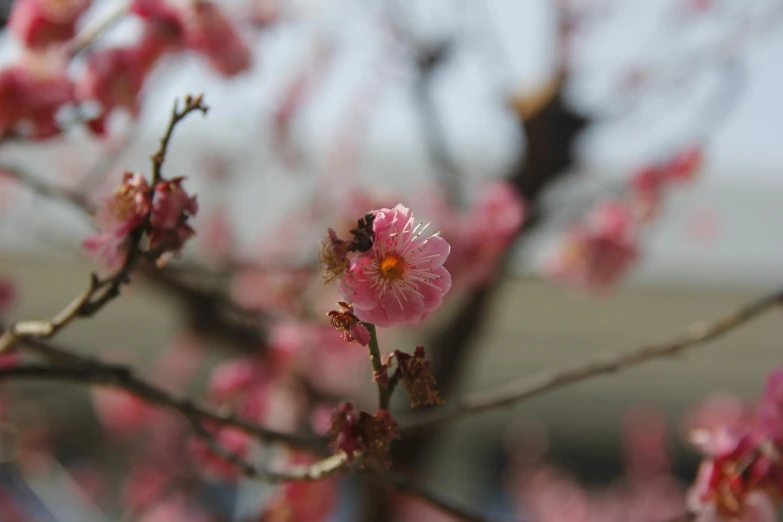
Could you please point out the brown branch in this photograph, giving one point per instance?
(528, 387)
(36, 185)
(78, 369)
(101, 291)
(119, 376)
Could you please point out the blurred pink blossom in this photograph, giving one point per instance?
(596, 254)
(32, 91)
(38, 23)
(119, 215)
(401, 279)
(209, 32)
(214, 465)
(121, 413)
(171, 209)
(770, 410)
(7, 295)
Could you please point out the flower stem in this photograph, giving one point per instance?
(384, 392)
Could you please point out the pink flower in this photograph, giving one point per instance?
(758, 508)
(212, 464)
(480, 238)
(120, 214)
(31, 93)
(209, 32)
(38, 23)
(121, 413)
(597, 253)
(684, 166)
(170, 212)
(770, 409)
(401, 278)
(7, 295)
(144, 487)
(114, 78)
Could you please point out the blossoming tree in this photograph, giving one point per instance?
(287, 407)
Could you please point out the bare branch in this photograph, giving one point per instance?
(89, 371)
(697, 334)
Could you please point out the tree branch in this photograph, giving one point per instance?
(528, 387)
(119, 376)
(101, 291)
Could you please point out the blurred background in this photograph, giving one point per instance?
(344, 106)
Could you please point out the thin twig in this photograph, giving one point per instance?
(697, 334)
(41, 188)
(384, 392)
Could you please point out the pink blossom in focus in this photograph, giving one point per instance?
(38, 23)
(120, 214)
(599, 252)
(401, 279)
(32, 91)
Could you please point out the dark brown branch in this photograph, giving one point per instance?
(119, 376)
(697, 334)
(82, 370)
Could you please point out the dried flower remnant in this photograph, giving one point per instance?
(394, 277)
(415, 373)
(359, 434)
(349, 326)
(334, 257)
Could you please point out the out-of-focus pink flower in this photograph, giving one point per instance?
(716, 425)
(233, 377)
(481, 237)
(171, 211)
(38, 23)
(645, 444)
(647, 191)
(401, 279)
(114, 78)
(217, 235)
(175, 508)
(180, 361)
(770, 410)
(31, 93)
(144, 487)
(209, 32)
(212, 464)
(302, 501)
(119, 215)
(684, 166)
(121, 413)
(7, 295)
(272, 290)
(598, 253)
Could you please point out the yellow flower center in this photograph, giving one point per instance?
(392, 266)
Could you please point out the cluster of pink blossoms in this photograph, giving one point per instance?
(598, 252)
(741, 478)
(387, 272)
(37, 87)
(160, 213)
